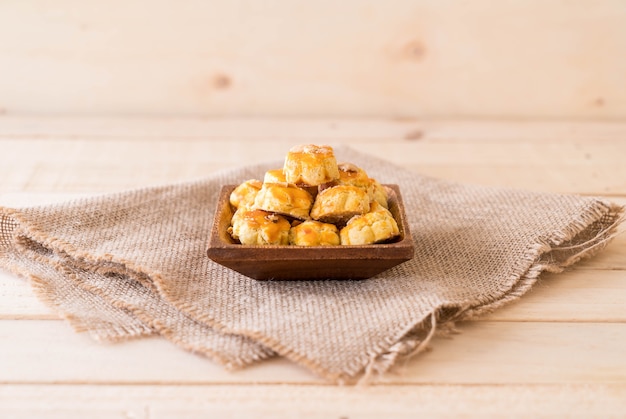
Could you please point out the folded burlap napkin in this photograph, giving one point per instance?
(134, 263)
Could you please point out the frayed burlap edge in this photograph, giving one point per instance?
(12, 220)
(525, 274)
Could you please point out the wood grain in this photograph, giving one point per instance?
(442, 130)
(17, 300)
(522, 58)
(483, 353)
(310, 401)
(70, 166)
(48, 154)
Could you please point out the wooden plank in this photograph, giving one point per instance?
(316, 58)
(311, 129)
(546, 155)
(613, 256)
(483, 353)
(17, 300)
(309, 402)
(82, 166)
(576, 296)
(84, 177)
(54, 353)
(524, 352)
(582, 295)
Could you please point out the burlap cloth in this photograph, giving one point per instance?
(134, 264)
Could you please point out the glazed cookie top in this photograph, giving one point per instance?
(314, 233)
(259, 227)
(311, 165)
(340, 203)
(245, 193)
(284, 198)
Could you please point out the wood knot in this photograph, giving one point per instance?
(414, 50)
(414, 135)
(221, 81)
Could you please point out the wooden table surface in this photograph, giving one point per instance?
(559, 351)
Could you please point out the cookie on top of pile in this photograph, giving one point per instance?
(312, 201)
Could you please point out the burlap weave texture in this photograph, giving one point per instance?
(134, 263)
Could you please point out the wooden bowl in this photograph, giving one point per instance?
(267, 262)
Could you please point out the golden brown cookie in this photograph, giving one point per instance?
(311, 165)
(286, 199)
(255, 227)
(278, 176)
(350, 174)
(314, 233)
(243, 195)
(376, 226)
(339, 203)
(378, 193)
(274, 176)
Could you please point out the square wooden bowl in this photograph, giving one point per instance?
(274, 262)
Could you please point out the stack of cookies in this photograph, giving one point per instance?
(312, 201)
